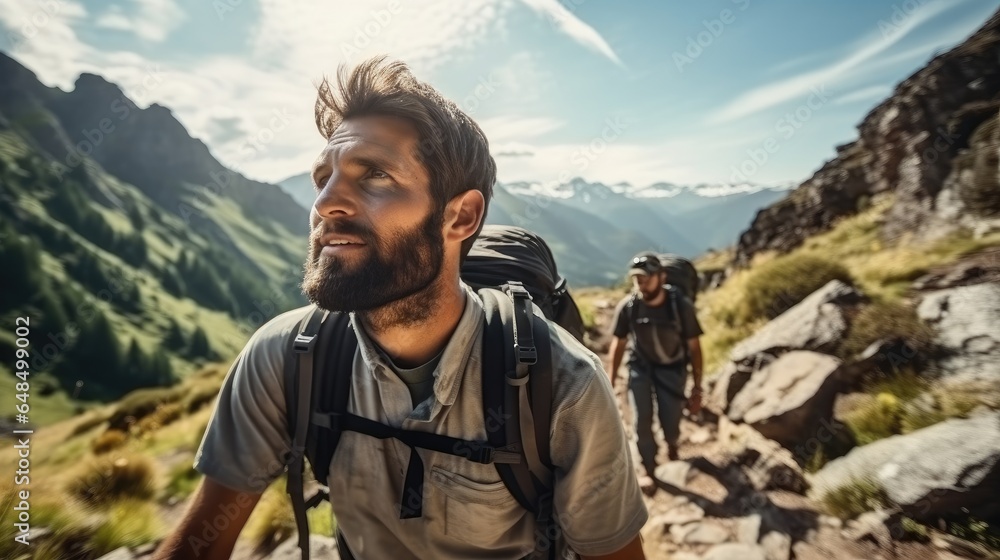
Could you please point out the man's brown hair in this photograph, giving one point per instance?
(453, 148)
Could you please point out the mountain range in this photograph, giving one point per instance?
(594, 228)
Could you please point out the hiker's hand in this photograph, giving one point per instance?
(694, 402)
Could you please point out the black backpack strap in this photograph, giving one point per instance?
(517, 386)
(674, 294)
(298, 396)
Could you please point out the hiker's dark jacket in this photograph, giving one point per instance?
(467, 510)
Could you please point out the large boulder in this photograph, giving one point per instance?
(966, 320)
(786, 400)
(818, 323)
(934, 471)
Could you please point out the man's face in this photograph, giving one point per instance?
(648, 285)
(376, 237)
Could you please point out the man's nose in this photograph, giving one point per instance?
(337, 196)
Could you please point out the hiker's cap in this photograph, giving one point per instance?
(645, 263)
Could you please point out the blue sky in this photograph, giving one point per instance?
(684, 92)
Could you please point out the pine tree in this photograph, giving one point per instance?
(95, 356)
(199, 347)
(161, 373)
(175, 339)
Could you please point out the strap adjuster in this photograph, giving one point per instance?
(526, 354)
(303, 343)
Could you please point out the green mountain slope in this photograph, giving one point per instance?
(134, 252)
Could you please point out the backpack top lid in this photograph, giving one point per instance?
(681, 273)
(503, 253)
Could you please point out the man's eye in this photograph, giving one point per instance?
(321, 183)
(378, 174)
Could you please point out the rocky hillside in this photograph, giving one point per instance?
(932, 143)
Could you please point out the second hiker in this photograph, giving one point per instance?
(657, 324)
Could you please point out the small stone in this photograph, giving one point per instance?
(700, 436)
(735, 551)
(681, 514)
(705, 533)
(120, 554)
(777, 546)
(675, 473)
(748, 529)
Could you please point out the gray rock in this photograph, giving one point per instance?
(768, 465)
(120, 554)
(748, 529)
(940, 469)
(319, 547)
(683, 513)
(786, 400)
(734, 551)
(702, 533)
(816, 323)
(676, 473)
(966, 319)
(870, 525)
(777, 546)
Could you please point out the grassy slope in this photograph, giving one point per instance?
(225, 334)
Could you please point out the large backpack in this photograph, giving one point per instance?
(516, 380)
(503, 253)
(682, 274)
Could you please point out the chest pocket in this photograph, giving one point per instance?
(480, 513)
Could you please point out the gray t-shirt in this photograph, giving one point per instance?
(467, 510)
(419, 380)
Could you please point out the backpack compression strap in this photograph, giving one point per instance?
(298, 395)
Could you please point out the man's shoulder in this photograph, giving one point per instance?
(574, 365)
(274, 335)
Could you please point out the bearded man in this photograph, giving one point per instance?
(402, 189)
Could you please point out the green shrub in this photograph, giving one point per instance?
(886, 320)
(88, 424)
(976, 530)
(854, 498)
(876, 420)
(110, 478)
(775, 286)
(141, 403)
(940, 405)
(272, 520)
(108, 441)
(182, 481)
(128, 523)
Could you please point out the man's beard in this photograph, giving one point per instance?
(650, 295)
(392, 286)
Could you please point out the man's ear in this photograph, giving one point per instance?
(463, 215)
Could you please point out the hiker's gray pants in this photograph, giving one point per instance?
(668, 388)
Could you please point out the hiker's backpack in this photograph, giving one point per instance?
(516, 379)
(682, 274)
(503, 253)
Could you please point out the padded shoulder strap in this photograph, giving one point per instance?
(298, 396)
(517, 392)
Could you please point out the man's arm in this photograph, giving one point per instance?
(199, 534)
(631, 551)
(617, 352)
(694, 351)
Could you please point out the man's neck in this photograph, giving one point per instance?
(413, 343)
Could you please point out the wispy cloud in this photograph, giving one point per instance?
(508, 129)
(573, 27)
(769, 95)
(864, 94)
(152, 21)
